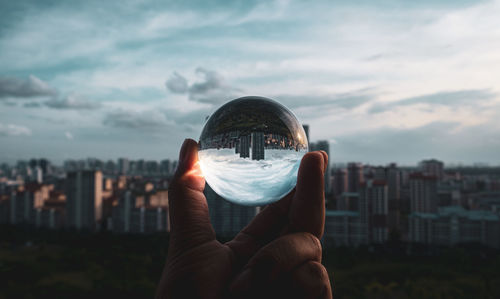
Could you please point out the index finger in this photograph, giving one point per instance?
(307, 209)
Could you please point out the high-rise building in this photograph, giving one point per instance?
(432, 167)
(140, 167)
(453, 224)
(165, 167)
(340, 181)
(258, 146)
(244, 146)
(110, 167)
(423, 193)
(84, 199)
(37, 174)
(393, 178)
(344, 228)
(355, 176)
(152, 167)
(141, 212)
(374, 209)
(45, 165)
(25, 200)
(348, 202)
(123, 165)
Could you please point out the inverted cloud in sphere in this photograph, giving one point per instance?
(250, 182)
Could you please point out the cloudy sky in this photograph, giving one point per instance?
(381, 80)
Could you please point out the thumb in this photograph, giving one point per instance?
(189, 219)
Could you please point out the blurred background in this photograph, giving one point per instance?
(97, 97)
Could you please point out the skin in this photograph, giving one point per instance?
(278, 255)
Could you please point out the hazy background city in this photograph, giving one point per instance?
(97, 97)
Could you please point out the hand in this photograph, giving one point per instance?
(278, 255)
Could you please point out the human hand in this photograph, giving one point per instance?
(278, 255)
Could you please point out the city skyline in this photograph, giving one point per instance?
(381, 81)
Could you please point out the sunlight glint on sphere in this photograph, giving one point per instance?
(250, 151)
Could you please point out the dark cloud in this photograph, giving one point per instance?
(445, 98)
(177, 83)
(156, 119)
(212, 89)
(135, 120)
(32, 105)
(194, 117)
(212, 80)
(24, 88)
(72, 102)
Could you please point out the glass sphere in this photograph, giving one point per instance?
(250, 151)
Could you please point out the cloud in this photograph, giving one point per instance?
(439, 140)
(68, 135)
(14, 130)
(10, 103)
(24, 88)
(32, 105)
(177, 83)
(212, 89)
(136, 120)
(347, 100)
(445, 98)
(212, 80)
(72, 102)
(194, 117)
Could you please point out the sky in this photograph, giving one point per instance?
(382, 81)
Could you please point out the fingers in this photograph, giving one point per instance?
(307, 215)
(307, 209)
(310, 280)
(266, 226)
(275, 260)
(189, 218)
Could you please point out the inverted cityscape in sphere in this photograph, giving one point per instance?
(250, 151)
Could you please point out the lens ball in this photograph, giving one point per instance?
(250, 151)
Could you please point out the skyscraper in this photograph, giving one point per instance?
(165, 167)
(84, 199)
(423, 193)
(244, 146)
(374, 209)
(354, 176)
(340, 181)
(432, 167)
(257, 146)
(123, 165)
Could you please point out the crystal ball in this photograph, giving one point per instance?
(250, 151)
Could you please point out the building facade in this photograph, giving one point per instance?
(84, 199)
(453, 225)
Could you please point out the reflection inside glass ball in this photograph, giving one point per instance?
(250, 151)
